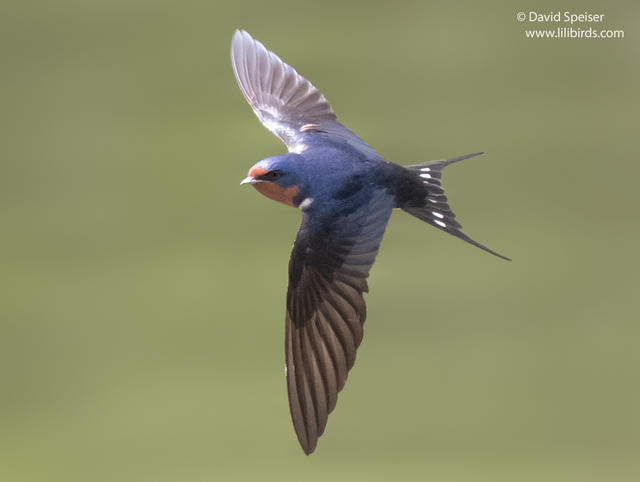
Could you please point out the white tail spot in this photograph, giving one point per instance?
(426, 169)
(439, 223)
(426, 176)
(437, 214)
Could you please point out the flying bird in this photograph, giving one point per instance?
(346, 192)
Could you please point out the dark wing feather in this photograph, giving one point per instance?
(328, 269)
(284, 101)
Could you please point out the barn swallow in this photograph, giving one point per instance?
(346, 192)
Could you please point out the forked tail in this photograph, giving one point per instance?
(434, 209)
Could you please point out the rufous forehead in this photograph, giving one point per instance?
(257, 171)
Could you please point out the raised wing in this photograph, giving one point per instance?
(328, 269)
(284, 101)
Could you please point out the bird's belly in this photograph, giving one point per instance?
(284, 195)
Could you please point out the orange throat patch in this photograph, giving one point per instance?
(283, 195)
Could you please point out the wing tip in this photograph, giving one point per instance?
(309, 447)
(240, 33)
(237, 37)
(240, 40)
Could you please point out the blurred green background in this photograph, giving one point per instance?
(142, 310)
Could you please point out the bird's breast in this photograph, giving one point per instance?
(273, 191)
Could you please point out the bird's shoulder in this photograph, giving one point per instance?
(327, 149)
(339, 171)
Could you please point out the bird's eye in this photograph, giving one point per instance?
(273, 174)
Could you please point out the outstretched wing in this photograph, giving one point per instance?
(328, 269)
(284, 101)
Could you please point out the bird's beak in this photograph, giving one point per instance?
(252, 176)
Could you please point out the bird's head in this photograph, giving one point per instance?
(277, 178)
